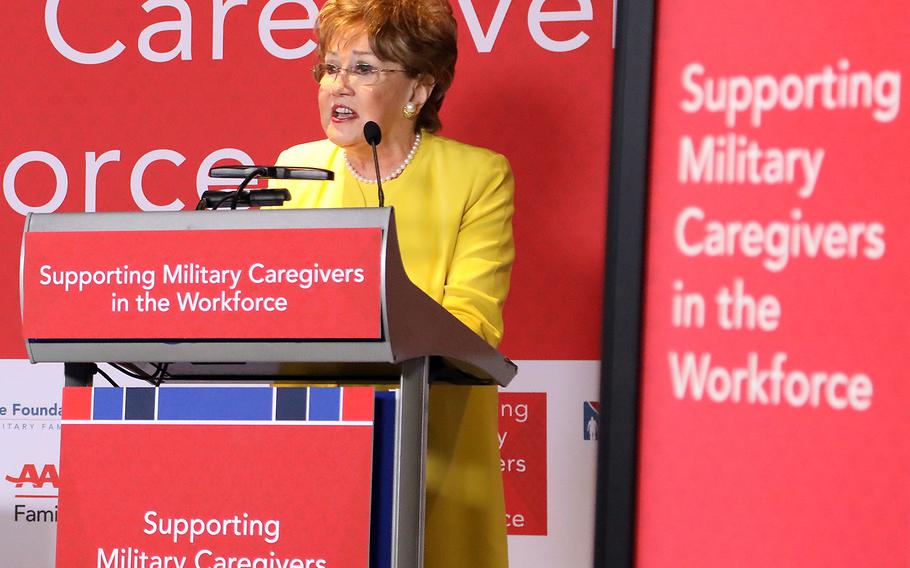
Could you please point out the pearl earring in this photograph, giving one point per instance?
(409, 110)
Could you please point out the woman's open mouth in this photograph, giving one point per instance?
(341, 113)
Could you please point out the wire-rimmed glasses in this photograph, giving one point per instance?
(358, 74)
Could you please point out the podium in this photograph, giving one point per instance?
(71, 313)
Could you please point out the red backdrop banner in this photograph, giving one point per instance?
(774, 412)
(124, 106)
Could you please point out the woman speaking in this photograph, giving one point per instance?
(391, 62)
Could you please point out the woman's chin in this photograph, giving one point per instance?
(345, 135)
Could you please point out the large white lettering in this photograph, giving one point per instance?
(9, 182)
(184, 27)
(220, 8)
(108, 162)
(267, 24)
(777, 242)
(697, 377)
(484, 41)
(105, 561)
(833, 87)
(183, 49)
(52, 25)
(536, 16)
(139, 171)
(93, 165)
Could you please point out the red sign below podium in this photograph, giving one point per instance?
(215, 477)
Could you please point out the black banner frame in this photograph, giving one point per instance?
(617, 460)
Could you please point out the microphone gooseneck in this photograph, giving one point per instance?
(373, 135)
(259, 171)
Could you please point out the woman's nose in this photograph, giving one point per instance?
(341, 82)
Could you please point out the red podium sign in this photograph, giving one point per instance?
(295, 284)
(215, 477)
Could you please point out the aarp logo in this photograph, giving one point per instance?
(31, 478)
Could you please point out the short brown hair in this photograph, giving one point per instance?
(420, 35)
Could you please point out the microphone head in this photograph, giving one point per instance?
(372, 133)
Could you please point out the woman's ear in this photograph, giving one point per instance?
(423, 88)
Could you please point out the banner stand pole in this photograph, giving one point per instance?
(617, 462)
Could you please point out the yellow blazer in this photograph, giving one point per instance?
(453, 208)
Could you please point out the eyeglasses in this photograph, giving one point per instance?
(362, 74)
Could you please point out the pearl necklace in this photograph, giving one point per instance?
(392, 175)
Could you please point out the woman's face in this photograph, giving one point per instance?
(345, 104)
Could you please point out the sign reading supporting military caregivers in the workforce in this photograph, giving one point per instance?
(214, 477)
(775, 393)
(298, 284)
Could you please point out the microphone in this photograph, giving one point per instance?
(373, 135)
(260, 197)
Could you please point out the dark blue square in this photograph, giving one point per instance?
(291, 403)
(140, 403)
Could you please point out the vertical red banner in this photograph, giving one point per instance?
(774, 420)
